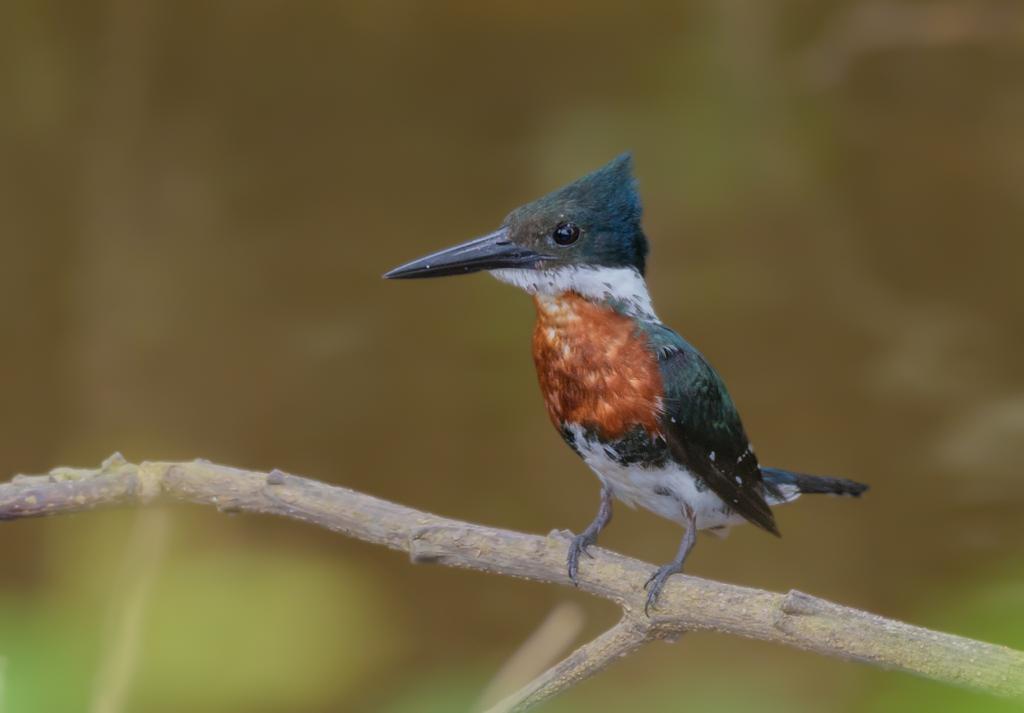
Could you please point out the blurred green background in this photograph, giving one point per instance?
(197, 201)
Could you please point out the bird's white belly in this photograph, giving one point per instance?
(663, 491)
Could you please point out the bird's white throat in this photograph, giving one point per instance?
(621, 285)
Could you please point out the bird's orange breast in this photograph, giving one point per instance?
(595, 367)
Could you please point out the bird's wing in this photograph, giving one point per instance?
(703, 428)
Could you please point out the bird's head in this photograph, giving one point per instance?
(584, 237)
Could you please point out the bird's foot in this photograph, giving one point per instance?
(578, 546)
(656, 581)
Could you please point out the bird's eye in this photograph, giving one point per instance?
(566, 233)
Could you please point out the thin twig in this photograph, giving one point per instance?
(686, 604)
(621, 640)
(142, 561)
(543, 647)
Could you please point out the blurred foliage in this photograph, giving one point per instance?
(197, 201)
(226, 628)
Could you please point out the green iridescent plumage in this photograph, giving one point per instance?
(703, 428)
(604, 204)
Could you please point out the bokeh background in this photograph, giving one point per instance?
(197, 201)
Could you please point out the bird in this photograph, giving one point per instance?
(641, 406)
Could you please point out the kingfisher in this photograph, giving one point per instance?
(642, 407)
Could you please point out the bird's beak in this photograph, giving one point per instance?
(491, 252)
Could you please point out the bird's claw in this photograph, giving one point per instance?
(656, 582)
(578, 546)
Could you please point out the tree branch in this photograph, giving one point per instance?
(686, 604)
(543, 647)
(621, 640)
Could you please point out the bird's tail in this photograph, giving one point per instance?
(790, 484)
